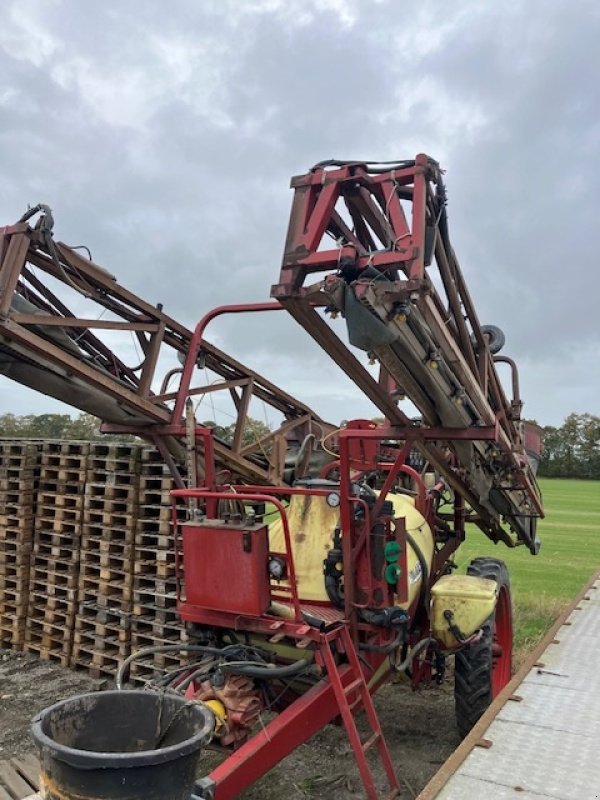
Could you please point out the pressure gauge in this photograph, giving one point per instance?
(333, 499)
(277, 568)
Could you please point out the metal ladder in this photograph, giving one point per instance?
(358, 688)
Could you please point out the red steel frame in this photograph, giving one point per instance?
(70, 357)
(394, 249)
(379, 237)
(322, 703)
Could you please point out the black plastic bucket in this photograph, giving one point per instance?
(124, 745)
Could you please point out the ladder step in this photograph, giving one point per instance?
(355, 684)
(375, 737)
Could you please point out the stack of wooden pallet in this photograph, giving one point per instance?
(102, 625)
(154, 620)
(18, 475)
(56, 550)
(87, 555)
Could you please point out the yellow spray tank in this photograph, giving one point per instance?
(459, 603)
(312, 523)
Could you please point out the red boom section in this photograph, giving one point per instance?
(377, 235)
(68, 329)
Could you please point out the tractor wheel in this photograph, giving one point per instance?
(483, 669)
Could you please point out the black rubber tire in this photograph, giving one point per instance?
(473, 665)
(496, 340)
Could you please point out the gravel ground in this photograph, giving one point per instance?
(419, 727)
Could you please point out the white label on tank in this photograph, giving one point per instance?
(416, 572)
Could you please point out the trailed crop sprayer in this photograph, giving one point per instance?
(317, 563)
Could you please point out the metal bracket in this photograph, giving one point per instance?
(204, 789)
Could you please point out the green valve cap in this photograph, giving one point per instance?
(392, 551)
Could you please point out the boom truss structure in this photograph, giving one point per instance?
(47, 346)
(377, 237)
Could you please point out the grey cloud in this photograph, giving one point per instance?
(165, 141)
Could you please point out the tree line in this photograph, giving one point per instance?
(570, 451)
(573, 449)
(86, 428)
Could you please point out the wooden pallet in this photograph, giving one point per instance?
(155, 665)
(12, 629)
(102, 639)
(117, 491)
(13, 476)
(53, 577)
(19, 499)
(17, 524)
(51, 641)
(14, 557)
(66, 446)
(54, 500)
(61, 480)
(19, 461)
(20, 778)
(14, 600)
(114, 458)
(17, 480)
(53, 461)
(155, 527)
(113, 595)
(108, 517)
(99, 548)
(110, 477)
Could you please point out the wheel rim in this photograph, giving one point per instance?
(502, 643)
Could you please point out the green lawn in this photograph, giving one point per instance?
(543, 585)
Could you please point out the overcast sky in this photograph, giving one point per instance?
(163, 135)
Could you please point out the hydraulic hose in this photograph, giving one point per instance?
(239, 668)
(332, 587)
(383, 648)
(418, 648)
(166, 648)
(267, 672)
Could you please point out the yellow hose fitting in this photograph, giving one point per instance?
(218, 709)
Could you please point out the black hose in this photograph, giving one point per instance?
(332, 587)
(373, 167)
(267, 672)
(197, 673)
(418, 648)
(168, 677)
(383, 648)
(166, 648)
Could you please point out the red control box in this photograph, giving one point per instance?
(225, 566)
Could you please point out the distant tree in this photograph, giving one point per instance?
(9, 426)
(218, 430)
(550, 463)
(573, 449)
(589, 445)
(85, 427)
(54, 426)
(254, 431)
(46, 426)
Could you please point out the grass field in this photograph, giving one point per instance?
(543, 585)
